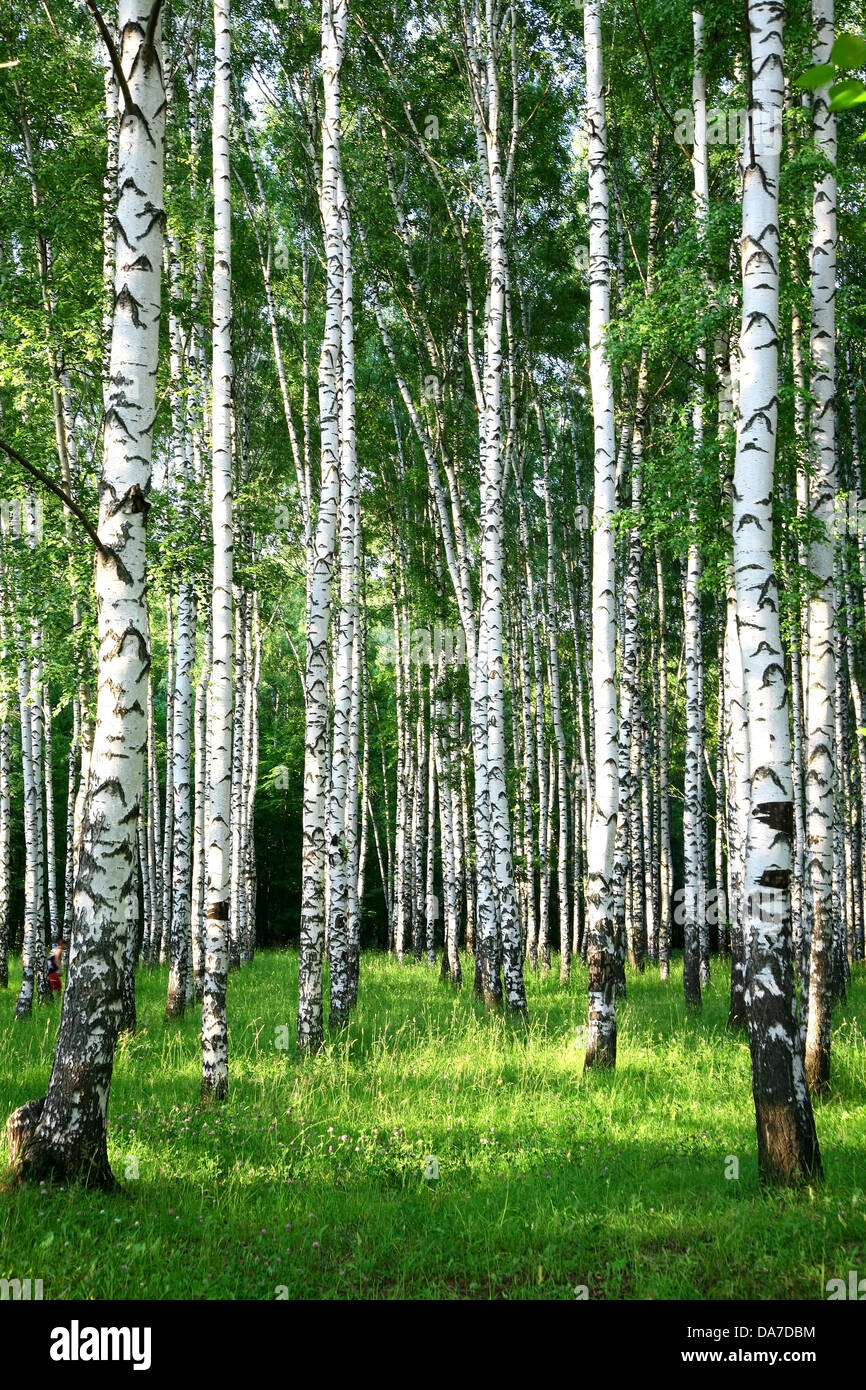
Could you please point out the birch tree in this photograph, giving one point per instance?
(220, 685)
(787, 1142)
(601, 1039)
(5, 791)
(63, 1135)
(317, 680)
(820, 695)
(342, 815)
(695, 887)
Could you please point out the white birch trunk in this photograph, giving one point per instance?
(64, 1136)
(220, 687)
(5, 794)
(50, 836)
(821, 690)
(180, 756)
(251, 765)
(237, 940)
(665, 861)
(317, 672)
(787, 1142)
(33, 925)
(201, 782)
(340, 808)
(601, 1041)
(562, 781)
(355, 836)
(165, 849)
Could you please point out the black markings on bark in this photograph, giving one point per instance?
(778, 815)
(774, 668)
(775, 878)
(157, 217)
(126, 300)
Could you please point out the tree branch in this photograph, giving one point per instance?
(652, 72)
(147, 47)
(112, 53)
(58, 491)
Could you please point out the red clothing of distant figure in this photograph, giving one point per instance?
(54, 972)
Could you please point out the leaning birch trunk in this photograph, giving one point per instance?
(601, 1039)
(317, 674)
(154, 838)
(359, 658)
(218, 829)
(629, 623)
(144, 876)
(237, 884)
(821, 693)
(64, 1135)
(787, 1141)
(144, 870)
(251, 766)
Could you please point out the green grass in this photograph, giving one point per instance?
(311, 1175)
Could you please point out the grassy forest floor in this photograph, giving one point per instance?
(309, 1182)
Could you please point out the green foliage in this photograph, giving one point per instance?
(848, 54)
